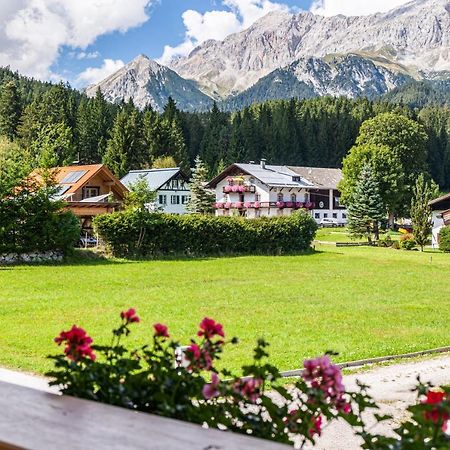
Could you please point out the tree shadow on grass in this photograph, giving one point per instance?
(92, 258)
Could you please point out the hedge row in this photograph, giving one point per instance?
(132, 234)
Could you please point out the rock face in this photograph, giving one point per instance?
(302, 55)
(350, 76)
(416, 35)
(149, 83)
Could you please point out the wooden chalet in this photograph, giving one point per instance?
(88, 190)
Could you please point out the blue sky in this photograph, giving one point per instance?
(83, 41)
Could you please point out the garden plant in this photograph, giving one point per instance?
(152, 379)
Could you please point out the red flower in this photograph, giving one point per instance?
(78, 344)
(316, 426)
(210, 328)
(434, 397)
(130, 316)
(199, 358)
(436, 415)
(161, 330)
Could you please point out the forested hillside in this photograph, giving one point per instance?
(54, 124)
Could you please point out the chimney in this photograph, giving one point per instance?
(263, 163)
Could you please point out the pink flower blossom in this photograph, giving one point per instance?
(130, 316)
(210, 328)
(316, 427)
(161, 330)
(78, 344)
(249, 389)
(199, 358)
(210, 390)
(324, 375)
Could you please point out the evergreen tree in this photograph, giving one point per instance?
(366, 209)
(53, 146)
(422, 222)
(125, 149)
(10, 110)
(202, 199)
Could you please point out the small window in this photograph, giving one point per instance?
(257, 197)
(162, 199)
(185, 199)
(317, 215)
(90, 192)
(293, 198)
(280, 197)
(325, 215)
(344, 216)
(175, 199)
(334, 215)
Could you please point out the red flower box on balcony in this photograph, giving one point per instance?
(290, 205)
(228, 189)
(228, 205)
(235, 188)
(299, 205)
(257, 205)
(220, 205)
(239, 205)
(247, 205)
(280, 205)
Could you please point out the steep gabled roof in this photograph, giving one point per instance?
(73, 178)
(156, 178)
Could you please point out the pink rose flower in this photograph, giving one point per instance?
(78, 343)
(210, 328)
(161, 330)
(130, 316)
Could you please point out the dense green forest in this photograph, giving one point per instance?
(55, 124)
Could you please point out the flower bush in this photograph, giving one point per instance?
(151, 379)
(407, 241)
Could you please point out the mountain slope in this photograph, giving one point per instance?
(416, 35)
(149, 83)
(350, 76)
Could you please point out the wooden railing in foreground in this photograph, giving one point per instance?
(36, 420)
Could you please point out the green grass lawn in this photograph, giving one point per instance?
(360, 302)
(328, 234)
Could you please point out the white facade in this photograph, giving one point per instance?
(441, 217)
(251, 190)
(173, 197)
(170, 185)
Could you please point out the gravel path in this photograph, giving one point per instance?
(391, 388)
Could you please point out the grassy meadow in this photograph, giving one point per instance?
(360, 302)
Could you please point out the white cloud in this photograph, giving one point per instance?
(93, 75)
(353, 7)
(218, 24)
(32, 32)
(87, 55)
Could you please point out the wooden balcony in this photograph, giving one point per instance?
(37, 420)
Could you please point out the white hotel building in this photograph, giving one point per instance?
(257, 190)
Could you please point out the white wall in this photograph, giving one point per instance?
(169, 207)
(438, 224)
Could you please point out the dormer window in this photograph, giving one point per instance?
(297, 179)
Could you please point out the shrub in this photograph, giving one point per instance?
(130, 234)
(407, 241)
(30, 220)
(192, 388)
(444, 239)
